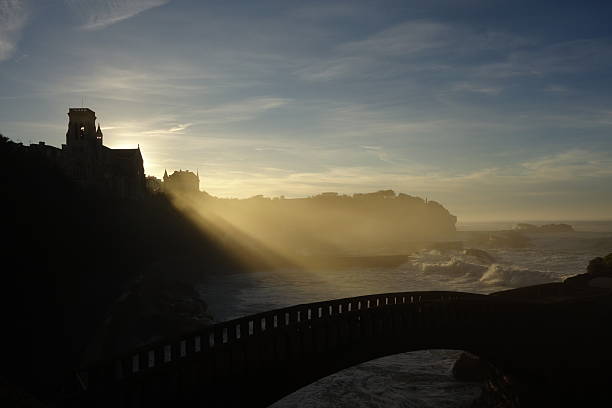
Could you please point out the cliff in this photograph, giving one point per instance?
(70, 253)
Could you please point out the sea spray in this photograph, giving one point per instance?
(514, 276)
(459, 267)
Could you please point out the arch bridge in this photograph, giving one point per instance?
(256, 360)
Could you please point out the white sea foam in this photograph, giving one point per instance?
(514, 276)
(453, 265)
(474, 272)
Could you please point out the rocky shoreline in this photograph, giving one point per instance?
(501, 390)
(151, 308)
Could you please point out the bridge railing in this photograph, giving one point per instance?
(166, 352)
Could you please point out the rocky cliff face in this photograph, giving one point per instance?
(153, 308)
(73, 253)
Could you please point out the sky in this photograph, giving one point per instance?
(499, 110)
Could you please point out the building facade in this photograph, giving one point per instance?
(86, 160)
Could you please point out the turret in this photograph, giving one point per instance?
(99, 135)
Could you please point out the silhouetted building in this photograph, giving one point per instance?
(182, 181)
(50, 152)
(86, 160)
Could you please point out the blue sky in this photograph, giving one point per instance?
(497, 109)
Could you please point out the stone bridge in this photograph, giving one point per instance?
(256, 360)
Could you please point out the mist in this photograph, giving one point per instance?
(307, 230)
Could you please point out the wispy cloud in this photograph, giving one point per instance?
(547, 175)
(97, 14)
(585, 55)
(181, 124)
(406, 38)
(240, 110)
(177, 129)
(412, 46)
(346, 180)
(570, 165)
(13, 16)
(477, 88)
(172, 128)
(556, 89)
(124, 81)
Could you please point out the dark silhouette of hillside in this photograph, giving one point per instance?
(68, 254)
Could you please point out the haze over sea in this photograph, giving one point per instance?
(416, 379)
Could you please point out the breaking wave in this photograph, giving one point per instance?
(457, 266)
(514, 276)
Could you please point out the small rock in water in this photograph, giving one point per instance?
(469, 367)
(480, 254)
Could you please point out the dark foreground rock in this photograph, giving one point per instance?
(12, 396)
(499, 391)
(469, 367)
(599, 271)
(152, 309)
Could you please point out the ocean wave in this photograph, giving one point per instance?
(514, 276)
(453, 267)
(457, 266)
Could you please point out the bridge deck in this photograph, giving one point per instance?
(258, 359)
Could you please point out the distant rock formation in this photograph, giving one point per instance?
(544, 228)
(498, 239)
(381, 222)
(480, 254)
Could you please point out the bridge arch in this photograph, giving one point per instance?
(256, 360)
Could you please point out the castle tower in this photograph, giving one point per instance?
(82, 128)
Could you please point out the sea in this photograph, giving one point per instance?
(415, 379)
